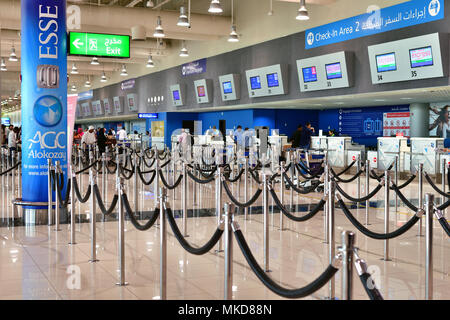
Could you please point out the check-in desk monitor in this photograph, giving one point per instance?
(409, 59)
(118, 104)
(132, 101)
(107, 106)
(86, 107)
(425, 150)
(267, 81)
(230, 87)
(203, 90)
(177, 94)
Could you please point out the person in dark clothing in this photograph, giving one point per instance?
(296, 137)
(305, 140)
(101, 140)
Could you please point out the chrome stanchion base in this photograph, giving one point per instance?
(34, 217)
(218, 251)
(93, 261)
(122, 284)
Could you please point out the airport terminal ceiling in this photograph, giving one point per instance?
(256, 20)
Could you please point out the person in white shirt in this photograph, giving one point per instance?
(122, 134)
(88, 140)
(183, 140)
(12, 142)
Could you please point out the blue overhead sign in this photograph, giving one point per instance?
(85, 95)
(195, 67)
(148, 116)
(403, 15)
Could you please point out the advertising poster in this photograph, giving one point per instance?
(71, 110)
(396, 123)
(439, 120)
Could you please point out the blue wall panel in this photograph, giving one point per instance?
(287, 121)
(233, 118)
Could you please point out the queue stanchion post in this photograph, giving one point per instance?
(228, 255)
(104, 173)
(292, 169)
(156, 180)
(219, 203)
(50, 195)
(429, 203)
(13, 173)
(93, 218)
(135, 189)
(121, 236)
(387, 183)
(347, 251)
(420, 198)
(358, 181)
(443, 180)
(282, 194)
(326, 208)
(58, 204)
(396, 183)
(297, 157)
(266, 222)
(184, 200)
(163, 245)
(367, 190)
(245, 186)
(19, 176)
(331, 235)
(72, 206)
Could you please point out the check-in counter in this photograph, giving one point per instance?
(388, 149)
(426, 151)
(337, 150)
(319, 143)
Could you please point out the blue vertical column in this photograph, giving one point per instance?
(44, 93)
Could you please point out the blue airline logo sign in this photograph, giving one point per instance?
(375, 21)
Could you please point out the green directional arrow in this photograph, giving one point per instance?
(99, 45)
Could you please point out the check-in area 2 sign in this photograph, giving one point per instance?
(99, 45)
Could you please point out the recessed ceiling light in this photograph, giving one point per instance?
(406, 98)
(380, 100)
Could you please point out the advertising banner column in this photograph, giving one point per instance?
(71, 111)
(44, 93)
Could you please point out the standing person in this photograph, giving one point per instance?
(183, 141)
(305, 140)
(296, 137)
(12, 143)
(122, 135)
(238, 137)
(88, 140)
(101, 140)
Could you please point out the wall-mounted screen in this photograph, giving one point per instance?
(255, 82)
(201, 91)
(176, 95)
(6, 121)
(421, 57)
(131, 103)
(227, 87)
(309, 74)
(333, 70)
(272, 80)
(386, 62)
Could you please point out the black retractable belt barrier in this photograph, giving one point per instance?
(287, 213)
(379, 236)
(186, 246)
(134, 221)
(307, 290)
(101, 205)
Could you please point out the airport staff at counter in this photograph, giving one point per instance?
(301, 138)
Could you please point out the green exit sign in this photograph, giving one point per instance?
(99, 45)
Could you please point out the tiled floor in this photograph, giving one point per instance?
(36, 262)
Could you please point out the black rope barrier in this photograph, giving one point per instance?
(146, 163)
(371, 289)
(168, 186)
(346, 180)
(406, 183)
(444, 205)
(363, 199)
(442, 193)
(297, 167)
(309, 289)
(379, 236)
(237, 177)
(141, 176)
(12, 168)
(287, 213)
(201, 181)
(445, 225)
(306, 190)
(186, 246)
(255, 177)
(78, 193)
(403, 198)
(122, 172)
(165, 164)
(236, 202)
(133, 219)
(87, 168)
(101, 205)
(343, 171)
